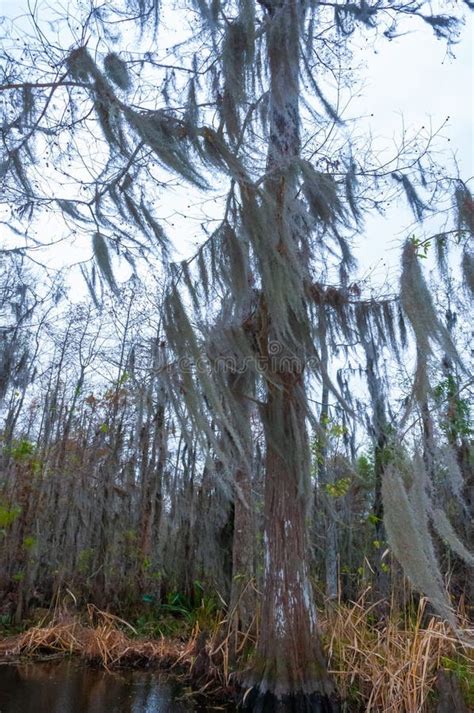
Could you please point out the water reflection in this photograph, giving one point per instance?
(69, 688)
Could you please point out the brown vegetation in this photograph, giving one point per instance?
(392, 666)
(389, 667)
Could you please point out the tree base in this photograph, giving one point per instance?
(257, 702)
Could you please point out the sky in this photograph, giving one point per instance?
(414, 76)
(412, 81)
(409, 82)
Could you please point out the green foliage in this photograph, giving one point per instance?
(365, 469)
(124, 378)
(8, 515)
(85, 560)
(22, 450)
(29, 543)
(330, 433)
(421, 247)
(177, 605)
(372, 519)
(5, 620)
(8, 627)
(177, 615)
(463, 669)
(339, 488)
(456, 421)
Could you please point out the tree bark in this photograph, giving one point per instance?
(242, 596)
(380, 431)
(290, 671)
(325, 474)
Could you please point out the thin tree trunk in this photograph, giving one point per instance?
(325, 474)
(242, 597)
(380, 428)
(152, 491)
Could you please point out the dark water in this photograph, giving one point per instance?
(68, 687)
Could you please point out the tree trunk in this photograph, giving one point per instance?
(290, 671)
(242, 599)
(380, 430)
(242, 596)
(325, 474)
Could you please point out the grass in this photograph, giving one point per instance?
(463, 671)
(380, 666)
(392, 666)
(102, 638)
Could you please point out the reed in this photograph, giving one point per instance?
(386, 666)
(391, 665)
(100, 638)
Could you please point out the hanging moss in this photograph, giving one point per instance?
(117, 70)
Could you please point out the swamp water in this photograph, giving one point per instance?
(69, 687)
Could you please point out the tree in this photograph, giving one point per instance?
(244, 98)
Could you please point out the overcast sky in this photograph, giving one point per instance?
(414, 78)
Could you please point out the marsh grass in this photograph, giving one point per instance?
(392, 665)
(387, 666)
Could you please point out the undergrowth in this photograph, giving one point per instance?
(380, 666)
(391, 665)
(177, 616)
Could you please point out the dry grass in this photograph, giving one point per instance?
(391, 666)
(101, 639)
(385, 667)
(104, 639)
